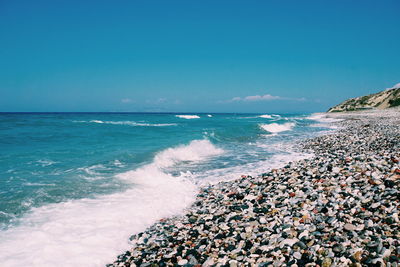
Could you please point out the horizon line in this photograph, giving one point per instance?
(144, 112)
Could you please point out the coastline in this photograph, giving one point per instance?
(339, 208)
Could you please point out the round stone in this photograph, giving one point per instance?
(297, 255)
(349, 227)
(182, 262)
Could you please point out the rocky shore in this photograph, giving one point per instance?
(340, 208)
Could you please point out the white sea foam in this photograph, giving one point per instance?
(322, 117)
(118, 163)
(268, 116)
(277, 128)
(37, 184)
(197, 150)
(130, 123)
(188, 117)
(91, 232)
(93, 170)
(265, 116)
(324, 121)
(46, 162)
(209, 115)
(283, 153)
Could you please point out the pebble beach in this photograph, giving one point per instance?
(339, 208)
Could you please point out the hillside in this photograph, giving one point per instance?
(385, 99)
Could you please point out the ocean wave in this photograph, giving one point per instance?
(188, 117)
(267, 116)
(92, 232)
(324, 121)
(96, 121)
(282, 154)
(94, 169)
(277, 128)
(130, 123)
(322, 117)
(118, 163)
(38, 184)
(45, 162)
(197, 150)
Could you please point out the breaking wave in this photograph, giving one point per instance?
(92, 231)
(130, 123)
(267, 116)
(323, 118)
(188, 117)
(277, 128)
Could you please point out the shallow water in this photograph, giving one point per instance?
(75, 186)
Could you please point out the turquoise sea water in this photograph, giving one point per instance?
(74, 186)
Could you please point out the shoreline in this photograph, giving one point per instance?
(339, 208)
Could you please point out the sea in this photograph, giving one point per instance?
(75, 186)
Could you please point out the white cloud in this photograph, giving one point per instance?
(254, 98)
(126, 100)
(266, 97)
(261, 97)
(235, 99)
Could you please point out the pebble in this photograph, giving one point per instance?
(327, 262)
(182, 262)
(358, 255)
(297, 255)
(263, 220)
(349, 227)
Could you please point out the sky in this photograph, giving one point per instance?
(195, 56)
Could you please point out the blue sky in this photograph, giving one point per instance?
(212, 56)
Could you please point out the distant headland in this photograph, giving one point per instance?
(385, 99)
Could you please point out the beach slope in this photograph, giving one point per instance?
(340, 208)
